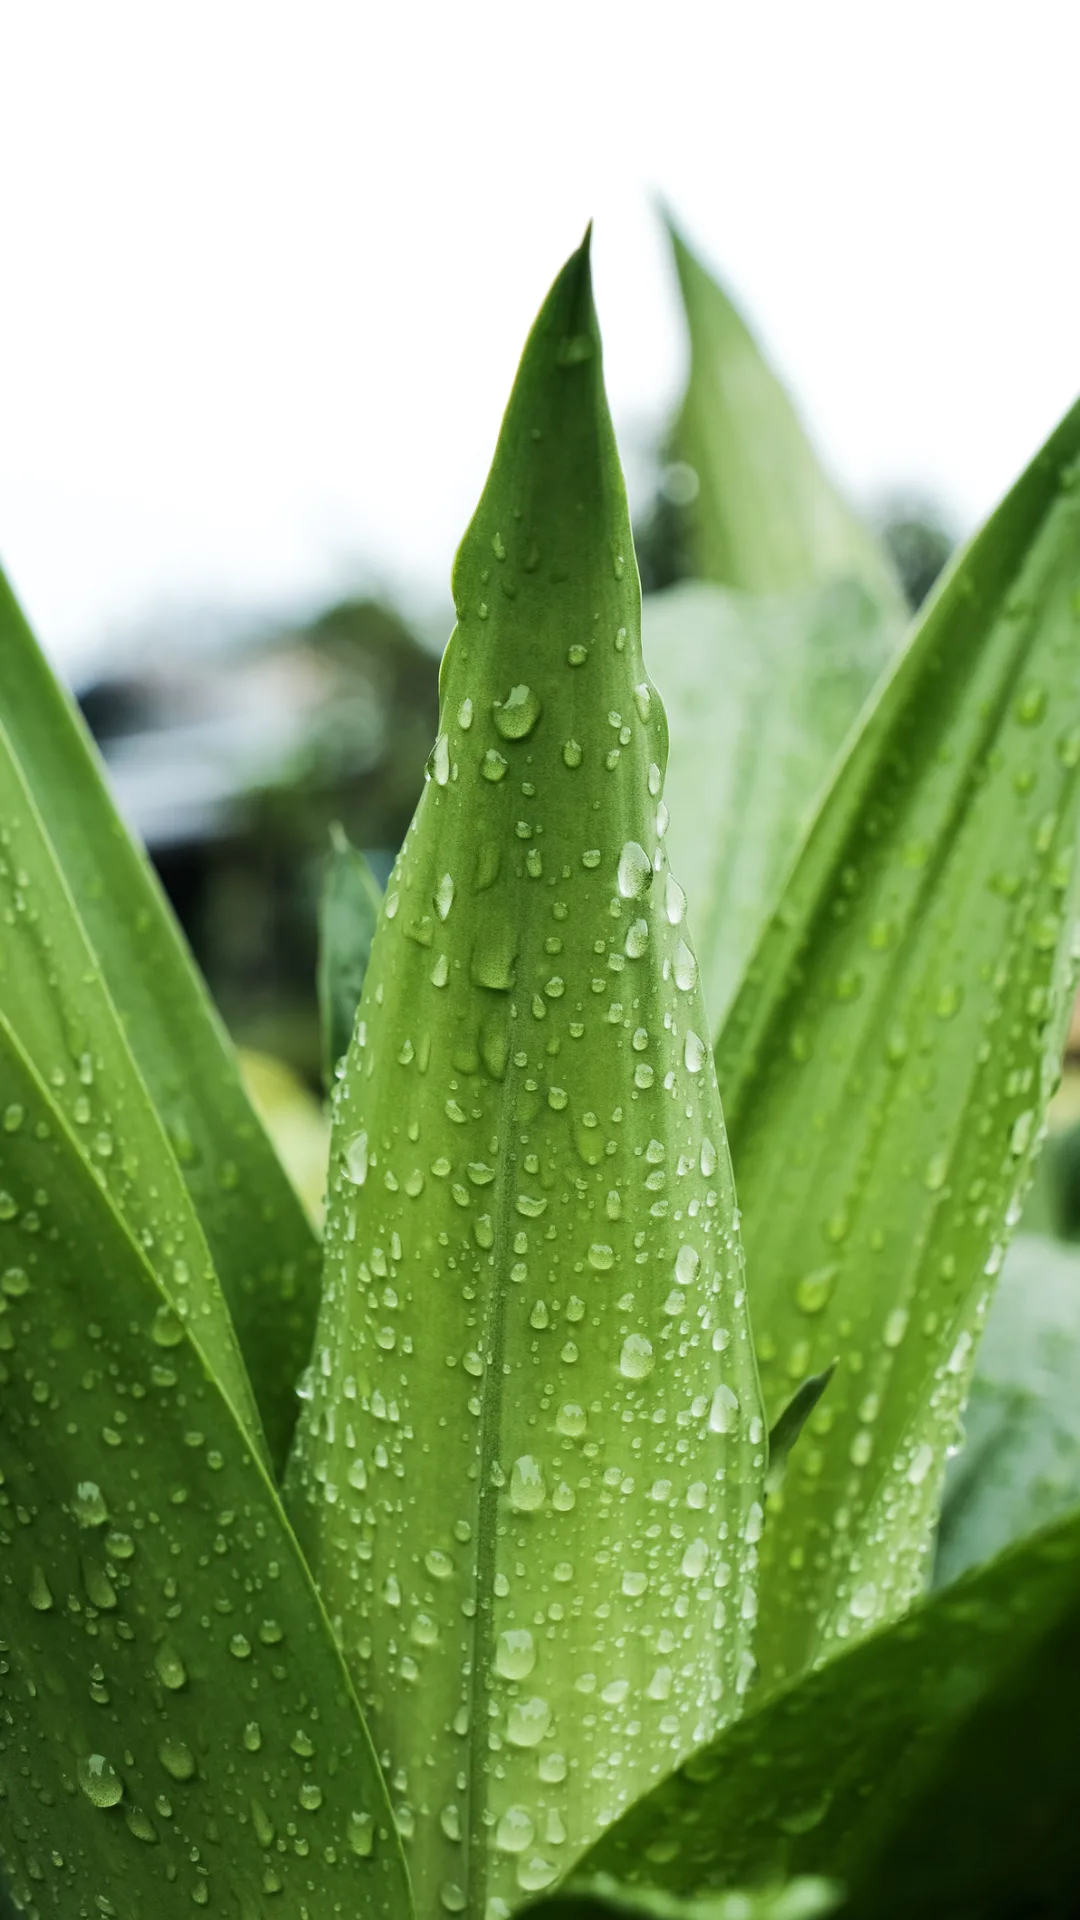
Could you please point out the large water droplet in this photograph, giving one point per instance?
(517, 715)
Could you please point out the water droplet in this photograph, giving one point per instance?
(527, 1722)
(89, 1505)
(517, 715)
(571, 1420)
(815, 1289)
(444, 896)
(527, 1491)
(169, 1668)
(634, 871)
(724, 1411)
(493, 766)
(99, 1780)
(636, 1361)
(600, 1258)
(515, 1653)
(571, 753)
(684, 968)
(355, 1156)
(694, 1051)
(177, 1758)
(515, 1830)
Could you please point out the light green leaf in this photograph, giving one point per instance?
(766, 516)
(173, 1708)
(348, 910)
(1020, 1464)
(530, 1476)
(887, 1064)
(805, 1899)
(263, 1248)
(760, 693)
(856, 1764)
(56, 1001)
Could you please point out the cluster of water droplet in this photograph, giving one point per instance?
(530, 1464)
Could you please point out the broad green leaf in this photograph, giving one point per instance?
(176, 1723)
(54, 998)
(805, 1899)
(1020, 1464)
(529, 1478)
(887, 1064)
(855, 1763)
(766, 516)
(263, 1248)
(348, 910)
(759, 693)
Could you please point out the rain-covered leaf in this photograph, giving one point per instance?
(856, 1764)
(54, 998)
(807, 1899)
(1020, 1463)
(530, 1474)
(760, 693)
(262, 1246)
(886, 1066)
(348, 910)
(764, 515)
(176, 1724)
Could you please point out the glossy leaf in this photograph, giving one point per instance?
(529, 1478)
(176, 1724)
(760, 694)
(1020, 1463)
(887, 1064)
(766, 516)
(53, 996)
(805, 1899)
(348, 910)
(263, 1248)
(855, 1764)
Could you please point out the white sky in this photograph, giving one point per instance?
(266, 268)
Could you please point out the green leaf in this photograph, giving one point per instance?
(888, 1061)
(805, 1899)
(1020, 1464)
(53, 996)
(537, 1410)
(348, 910)
(789, 1424)
(263, 1248)
(766, 516)
(855, 1766)
(759, 693)
(173, 1708)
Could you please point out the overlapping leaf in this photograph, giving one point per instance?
(348, 910)
(262, 1246)
(53, 996)
(805, 1899)
(1020, 1463)
(760, 691)
(766, 516)
(927, 1769)
(176, 1724)
(887, 1063)
(530, 1476)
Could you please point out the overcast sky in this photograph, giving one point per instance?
(267, 268)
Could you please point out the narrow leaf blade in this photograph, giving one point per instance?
(760, 693)
(887, 1063)
(348, 910)
(262, 1245)
(767, 517)
(1020, 1463)
(531, 1246)
(171, 1697)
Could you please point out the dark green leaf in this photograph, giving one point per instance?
(790, 1423)
(176, 1723)
(534, 1433)
(858, 1764)
(886, 1066)
(766, 516)
(348, 910)
(262, 1245)
(805, 1899)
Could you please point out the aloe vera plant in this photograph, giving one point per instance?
(541, 1598)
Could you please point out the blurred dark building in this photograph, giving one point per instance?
(231, 764)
